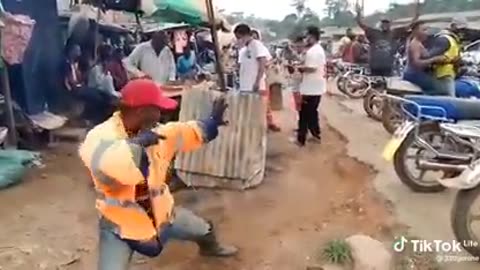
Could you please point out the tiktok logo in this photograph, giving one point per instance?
(438, 246)
(400, 244)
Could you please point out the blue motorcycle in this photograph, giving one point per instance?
(437, 141)
(442, 139)
(392, 116)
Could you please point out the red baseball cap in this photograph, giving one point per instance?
(145, 92)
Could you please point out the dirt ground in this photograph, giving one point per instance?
(310, 196)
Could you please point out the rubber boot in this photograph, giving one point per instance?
(210, 247)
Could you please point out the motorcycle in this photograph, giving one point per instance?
(466, 87)
(391, 113)
(352, 80)
(437, 139)
(464, 177)
(462, 216)
(334, 68)
(373, 100)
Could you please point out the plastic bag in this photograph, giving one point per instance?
(13, 165)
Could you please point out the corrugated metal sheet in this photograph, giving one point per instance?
(237, 157)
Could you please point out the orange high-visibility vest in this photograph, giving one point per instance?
(114, 163)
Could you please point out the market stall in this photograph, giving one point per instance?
(236, 159)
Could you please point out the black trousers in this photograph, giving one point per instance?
(308, 118)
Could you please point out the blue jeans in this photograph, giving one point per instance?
(422, 79)
(445, 86)
(116, 254)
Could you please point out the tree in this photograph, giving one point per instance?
(338, 13)
(299, 6)
(335, 7)
(309, 18)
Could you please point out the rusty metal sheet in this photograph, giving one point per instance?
(237, 157)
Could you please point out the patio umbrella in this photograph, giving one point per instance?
(193, 12)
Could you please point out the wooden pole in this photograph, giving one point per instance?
(12, 132)
(97, 33)
(211, 19)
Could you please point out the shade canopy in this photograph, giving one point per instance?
(193, 12)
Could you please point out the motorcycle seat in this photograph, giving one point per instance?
(456, 108)
(398, 86)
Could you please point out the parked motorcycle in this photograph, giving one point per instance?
(436, 139)
(373, 100)
(392, 118)
(464, 220)
(352, 80)
(334, 68)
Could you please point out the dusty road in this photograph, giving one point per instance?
(308, 198)
(426, 215)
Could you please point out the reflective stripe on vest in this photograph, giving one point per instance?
(95, 163)
(448, 70)
(129, 204)
(112, 202)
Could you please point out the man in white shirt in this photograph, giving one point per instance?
(312, 87)
(253, 58)
(153, 59)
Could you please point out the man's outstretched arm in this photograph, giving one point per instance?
(189, 136)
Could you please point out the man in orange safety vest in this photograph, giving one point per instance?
(128, 157)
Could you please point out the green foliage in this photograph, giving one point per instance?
(339, 13)
(338, 252)
(299, 6)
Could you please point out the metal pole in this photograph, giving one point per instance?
(211, 19)
(12, 131)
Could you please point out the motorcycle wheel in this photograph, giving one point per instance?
(401, 168)
(341, 82)
(391, 119)
(373, 104)
(461, 219)
(353, 91)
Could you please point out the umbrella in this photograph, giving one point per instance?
(193, 12)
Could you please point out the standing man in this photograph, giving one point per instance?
(360, 50)
(253, 58)
(383, 43)
(312, 87)
(153, 59)
(128, 157)
(345, 48)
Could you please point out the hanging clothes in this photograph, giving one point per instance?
(16, 35)
(39, 69)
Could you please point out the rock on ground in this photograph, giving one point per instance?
(369, 254)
